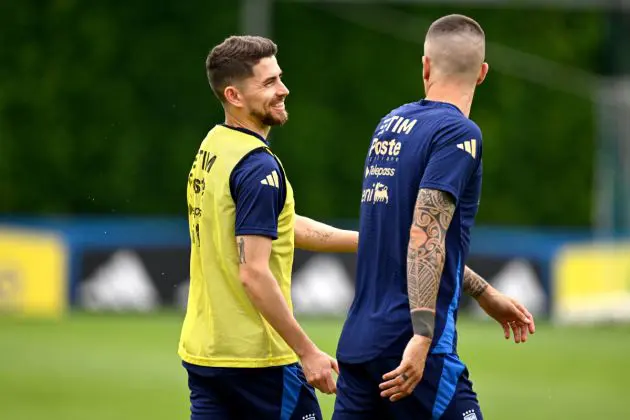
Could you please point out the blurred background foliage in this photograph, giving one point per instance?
(102, 110)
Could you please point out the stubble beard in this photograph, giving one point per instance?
(269, 119)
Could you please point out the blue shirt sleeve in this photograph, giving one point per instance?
(455, 155)
(258, 189)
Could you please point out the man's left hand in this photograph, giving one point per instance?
(509, 313)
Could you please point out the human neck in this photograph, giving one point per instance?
(248, 123)
(456, 94)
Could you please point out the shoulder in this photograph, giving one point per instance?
(455, 128)
(471, 127)
(406, 109)
(402, 118)
(402, 110)
(257, 160)
(259, 166)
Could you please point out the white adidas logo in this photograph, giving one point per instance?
(469, 415)
(271, 180)
(121, 283)
(469, 146)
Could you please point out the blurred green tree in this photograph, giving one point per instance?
(102, 107)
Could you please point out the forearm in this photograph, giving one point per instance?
(426, 254)
(474, 285)
(423, 280)
(311, 235)
(264, 293)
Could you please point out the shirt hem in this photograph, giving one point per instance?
(442, 350)
(238, 362)
(366, 359)
(253, 231)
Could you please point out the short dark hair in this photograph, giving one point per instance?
(455, 24)
(234, 59)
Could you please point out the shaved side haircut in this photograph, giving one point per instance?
(456, 46)
(234, 60)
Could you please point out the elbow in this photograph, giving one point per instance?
(250, 275)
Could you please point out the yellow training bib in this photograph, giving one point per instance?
(222, 328)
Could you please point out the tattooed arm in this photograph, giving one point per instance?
(474, 285)
(425, 261)
(315, 236)
(426, 255)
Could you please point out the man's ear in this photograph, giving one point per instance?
(426, 67)
(233, 96)
(483, 73)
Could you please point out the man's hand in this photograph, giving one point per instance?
(509, 313)
(401, 381)
(318, 368)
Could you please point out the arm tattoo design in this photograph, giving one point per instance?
(427, 248)
(474, 285)
(241, 251)
(318, 235)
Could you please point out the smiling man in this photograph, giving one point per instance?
(240, 342)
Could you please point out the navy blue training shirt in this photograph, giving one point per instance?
(257, 205)
(424, 144)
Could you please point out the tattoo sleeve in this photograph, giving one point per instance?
(474, 284)
(426, 255)
(241, 251)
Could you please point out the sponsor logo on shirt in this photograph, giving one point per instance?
(470, 147)
(385, 148)
(194, 211)
(378, 193)
(375, 170)
(469, 415)
(396, 124)
(198, 185)
(271, 180)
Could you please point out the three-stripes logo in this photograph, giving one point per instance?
(271, 180)
(470, 146)
(469, 415)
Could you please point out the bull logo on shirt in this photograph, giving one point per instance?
(380, 193)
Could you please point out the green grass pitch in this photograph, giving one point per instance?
(125, 367)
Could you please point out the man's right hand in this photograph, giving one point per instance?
(400, 382)
(318, 368)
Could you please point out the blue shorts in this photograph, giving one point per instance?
(445, 392)
(274, 393)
